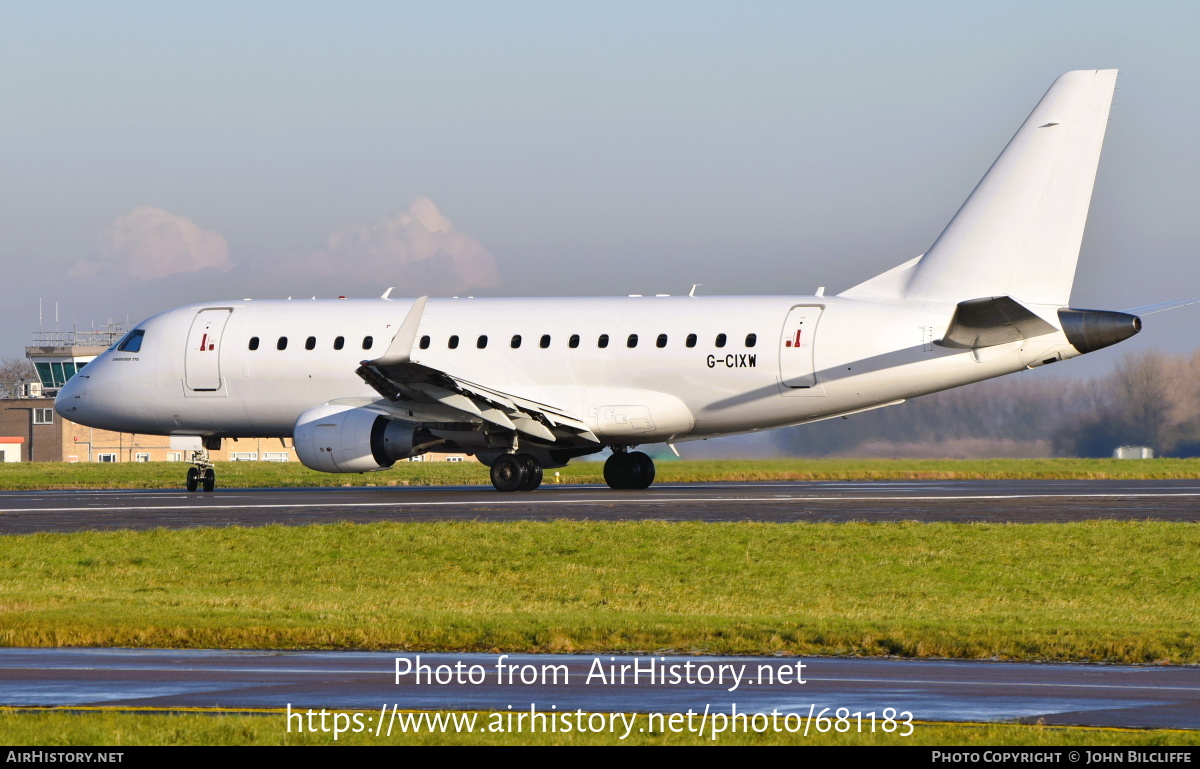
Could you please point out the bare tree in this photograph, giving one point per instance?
(15, 372)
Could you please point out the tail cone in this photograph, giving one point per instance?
(1090, 330)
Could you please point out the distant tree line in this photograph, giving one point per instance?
(1148, 399)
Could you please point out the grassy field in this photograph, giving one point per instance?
(107, 728)
(169, 475)
(1120, 592)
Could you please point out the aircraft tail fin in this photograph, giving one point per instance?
(1018, 234)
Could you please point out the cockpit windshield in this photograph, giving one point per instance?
(132, 341)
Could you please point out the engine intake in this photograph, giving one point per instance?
(349, 439)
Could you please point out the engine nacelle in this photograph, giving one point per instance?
(347, 439)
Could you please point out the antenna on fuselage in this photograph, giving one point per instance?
(387, 293)
(695, 286)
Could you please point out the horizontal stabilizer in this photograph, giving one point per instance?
(992, 321)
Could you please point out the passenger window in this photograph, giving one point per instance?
(516, 341)
(452, 343)
(720, 340)
(602, 341)
(253, 343)
(662, 340)
(281, 344)
(310, 343)
(751, 340)
(132, 342)
(545, 341)
(424, 343)
(368, 341)
(339, 343)
(481, 342)
(691, 340)
(631, 341)
(573, 342)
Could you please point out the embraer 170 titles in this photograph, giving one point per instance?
(528, 384)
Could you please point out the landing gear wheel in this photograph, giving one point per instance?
(193, 478)
(640, 470)
(533, 472)
(210, 479)
(508, 473)
(632, 470)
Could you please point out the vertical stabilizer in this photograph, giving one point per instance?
(1019, 232)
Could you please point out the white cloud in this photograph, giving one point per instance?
(416, 249)
(149, 243)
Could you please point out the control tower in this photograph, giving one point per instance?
(58, 355)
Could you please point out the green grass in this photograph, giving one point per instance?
(155, 475)
(131, 729)
(1120, 592)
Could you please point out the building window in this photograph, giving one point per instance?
(141, 457)
(276, 456)
(545, 341)
(720, 340)
(253, 343)
(243, 456)
(339, 343)
(174, 456)
(43, 416)
(106, 457)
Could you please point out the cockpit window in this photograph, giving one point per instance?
(132, 341)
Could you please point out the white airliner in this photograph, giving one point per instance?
(527, 384)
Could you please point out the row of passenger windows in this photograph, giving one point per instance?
(573, 342)
(311, 343)
(601, 341)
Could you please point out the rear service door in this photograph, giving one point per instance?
(796, 365)
(202, 366)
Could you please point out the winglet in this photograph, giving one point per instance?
(400, 350)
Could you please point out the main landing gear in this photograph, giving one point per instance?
(629, 470)
(202, 472)
(516, 472)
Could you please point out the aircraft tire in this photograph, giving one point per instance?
(616, 471)
(508, 473)
(533, 472)
(193, 478)
(210, 479)
(639, 470)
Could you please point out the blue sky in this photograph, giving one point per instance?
(565, 148)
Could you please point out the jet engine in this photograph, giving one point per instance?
(347, 439)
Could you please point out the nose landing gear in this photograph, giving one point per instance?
(201, 473)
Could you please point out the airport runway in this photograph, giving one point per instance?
(777, 501)
(931, 690)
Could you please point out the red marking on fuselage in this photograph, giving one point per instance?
(204, 343)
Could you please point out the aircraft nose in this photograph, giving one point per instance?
(69, 403)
